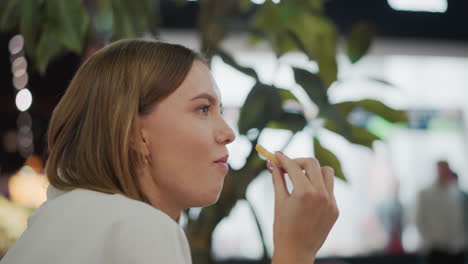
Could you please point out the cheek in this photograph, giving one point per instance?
(182, 147)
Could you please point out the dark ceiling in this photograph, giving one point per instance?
(452, 25)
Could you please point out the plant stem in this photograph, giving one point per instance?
(265, 257)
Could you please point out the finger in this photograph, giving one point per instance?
(313, 171)
(295, 173)
(329, 179)
(279, 183)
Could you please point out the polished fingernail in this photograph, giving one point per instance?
(269, 166)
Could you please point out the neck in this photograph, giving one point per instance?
(165, 208)
(159, 199)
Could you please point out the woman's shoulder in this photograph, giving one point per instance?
(81, 222)
(107, 207)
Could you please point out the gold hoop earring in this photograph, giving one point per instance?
(147, 160)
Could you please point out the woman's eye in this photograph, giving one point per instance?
(204, 109)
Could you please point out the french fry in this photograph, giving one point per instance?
(267, 154)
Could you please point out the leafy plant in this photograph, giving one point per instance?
(292, 25)
(295, 25)
(52, 27)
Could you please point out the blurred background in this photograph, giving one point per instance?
(374, 88)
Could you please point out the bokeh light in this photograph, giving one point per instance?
(28, 187)
(19, 64)
(25, 138)
(258, 2)
(16, 44)
(436, 6)
(24, 119)
(23, 100)
(21, 81)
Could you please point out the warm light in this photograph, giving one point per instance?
(16, 44)
(19, 72)
(25, 137)
(13, 222)
(21, 81)
(28, 188)
(436, 6)
(19, 63)
(23, 100)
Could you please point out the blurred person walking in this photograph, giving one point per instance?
(441, 218)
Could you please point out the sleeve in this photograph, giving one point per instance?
(421, 218)
(145, 240)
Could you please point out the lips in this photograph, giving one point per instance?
(224, 159)
(222, 163)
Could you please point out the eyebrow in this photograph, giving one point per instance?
(207, 96)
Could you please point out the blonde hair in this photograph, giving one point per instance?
(94, 126)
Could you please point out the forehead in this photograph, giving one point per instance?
(198, 80)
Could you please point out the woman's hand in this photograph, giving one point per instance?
(304, 217)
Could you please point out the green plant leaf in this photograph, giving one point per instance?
(376, 107)
(29, 23)
(70, 21)
(47, 48)
(327, 158)
(316, 36)
(282, 44)
(313, 6)
(293, 122)
(131, 20)
(382, 81)
(262, 105)
(315, 89)
(288, 10)
(245, 5)
(104, 20)
(286, 95)
(358, 135)
(295, 25)
(362, 136)
(8, 16)
(312, 85)
(228, 59)
(122, 26)
(255, 163)
(268, 19)
(326, 59)
(359, 41)
(254, 38)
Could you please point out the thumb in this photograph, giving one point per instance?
(279, 183)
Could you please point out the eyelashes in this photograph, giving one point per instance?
(206, 109)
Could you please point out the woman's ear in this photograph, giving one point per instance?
(139, 141)
(144, 148)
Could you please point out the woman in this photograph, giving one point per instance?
(137, 138)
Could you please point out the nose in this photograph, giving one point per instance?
(225, 134)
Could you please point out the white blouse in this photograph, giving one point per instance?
(83, 226)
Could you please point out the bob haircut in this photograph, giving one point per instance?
(93, 136)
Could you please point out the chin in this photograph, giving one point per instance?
(206, 200)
